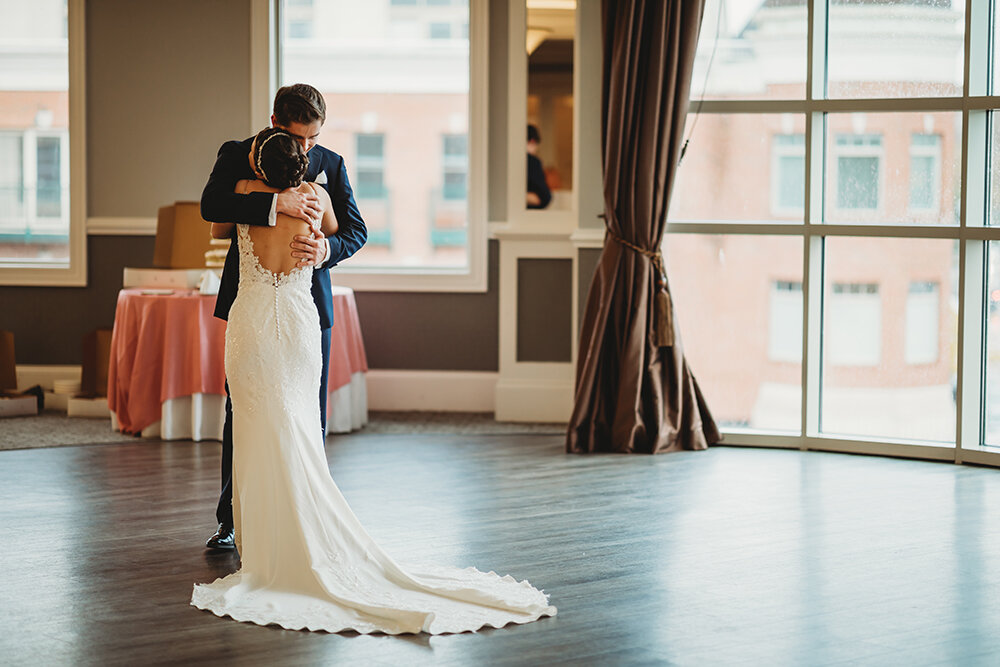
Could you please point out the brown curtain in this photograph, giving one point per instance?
(634, 389)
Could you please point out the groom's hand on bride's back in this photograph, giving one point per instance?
(309, 250)
(300, 205)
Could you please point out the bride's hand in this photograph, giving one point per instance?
(310, 250)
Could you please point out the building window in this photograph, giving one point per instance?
(34, 193)
(925, 172)
(456, 164)
(858, 170)
(440, 30)
(49, 177)
(788, 182)
(299, 29)
(854, 330)
(448, 225)
(370, 167)
(11, 176)
(922, 323)
(785, 326)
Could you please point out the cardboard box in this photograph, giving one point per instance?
(57, 402)
(19, 406)
(8, 369)
(88, 407)
(96, 359)
(182, 237)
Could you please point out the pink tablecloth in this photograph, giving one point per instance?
(169, 346)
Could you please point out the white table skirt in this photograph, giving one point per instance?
(201, 416)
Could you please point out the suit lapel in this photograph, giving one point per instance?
(315, 164)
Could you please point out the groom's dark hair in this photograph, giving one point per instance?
(299, 103)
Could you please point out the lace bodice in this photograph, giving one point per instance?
(251, 269)
(273, 335)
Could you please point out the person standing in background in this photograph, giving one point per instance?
(539, 194)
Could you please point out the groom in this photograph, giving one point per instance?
(301, 110)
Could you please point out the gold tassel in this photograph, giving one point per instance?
(663, 312)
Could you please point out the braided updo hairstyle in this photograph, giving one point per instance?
(279, 158)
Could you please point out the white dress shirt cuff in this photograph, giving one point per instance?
(272, 218)
(326, 254)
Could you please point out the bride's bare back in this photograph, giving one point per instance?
(272, 245)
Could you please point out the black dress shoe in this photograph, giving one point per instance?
(224, 538)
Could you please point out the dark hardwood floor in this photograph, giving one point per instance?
(725, 557)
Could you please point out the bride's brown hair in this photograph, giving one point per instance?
(279, 158)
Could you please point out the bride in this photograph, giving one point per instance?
(306, 560)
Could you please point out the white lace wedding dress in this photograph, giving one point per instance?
(306, 560)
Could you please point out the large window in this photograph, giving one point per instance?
(863, 134)
(38, 244)
(396, 78)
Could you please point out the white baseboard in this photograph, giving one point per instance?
(534, 400)
(419, 391)
(29, 375)
(446, 391)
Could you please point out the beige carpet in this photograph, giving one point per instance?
(54, 429)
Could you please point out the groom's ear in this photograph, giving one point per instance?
(274, 122)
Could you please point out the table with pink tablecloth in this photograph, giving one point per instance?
(167, 378)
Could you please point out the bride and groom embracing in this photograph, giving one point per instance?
(306, 560)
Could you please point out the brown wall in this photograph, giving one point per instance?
(162, 99)
(433, 331)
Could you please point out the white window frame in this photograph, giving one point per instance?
(265, 65)
(975, 104)
(73, 167)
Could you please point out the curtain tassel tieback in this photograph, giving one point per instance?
(663, 310)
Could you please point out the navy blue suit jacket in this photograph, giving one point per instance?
(219, 203)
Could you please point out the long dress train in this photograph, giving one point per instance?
(306, 560)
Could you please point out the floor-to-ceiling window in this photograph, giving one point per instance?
(832, 242)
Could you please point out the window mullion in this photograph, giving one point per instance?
(812, 263)
(816, 39)
(969, 403)
(977, 48)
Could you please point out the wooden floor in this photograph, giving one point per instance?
(725, 557)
